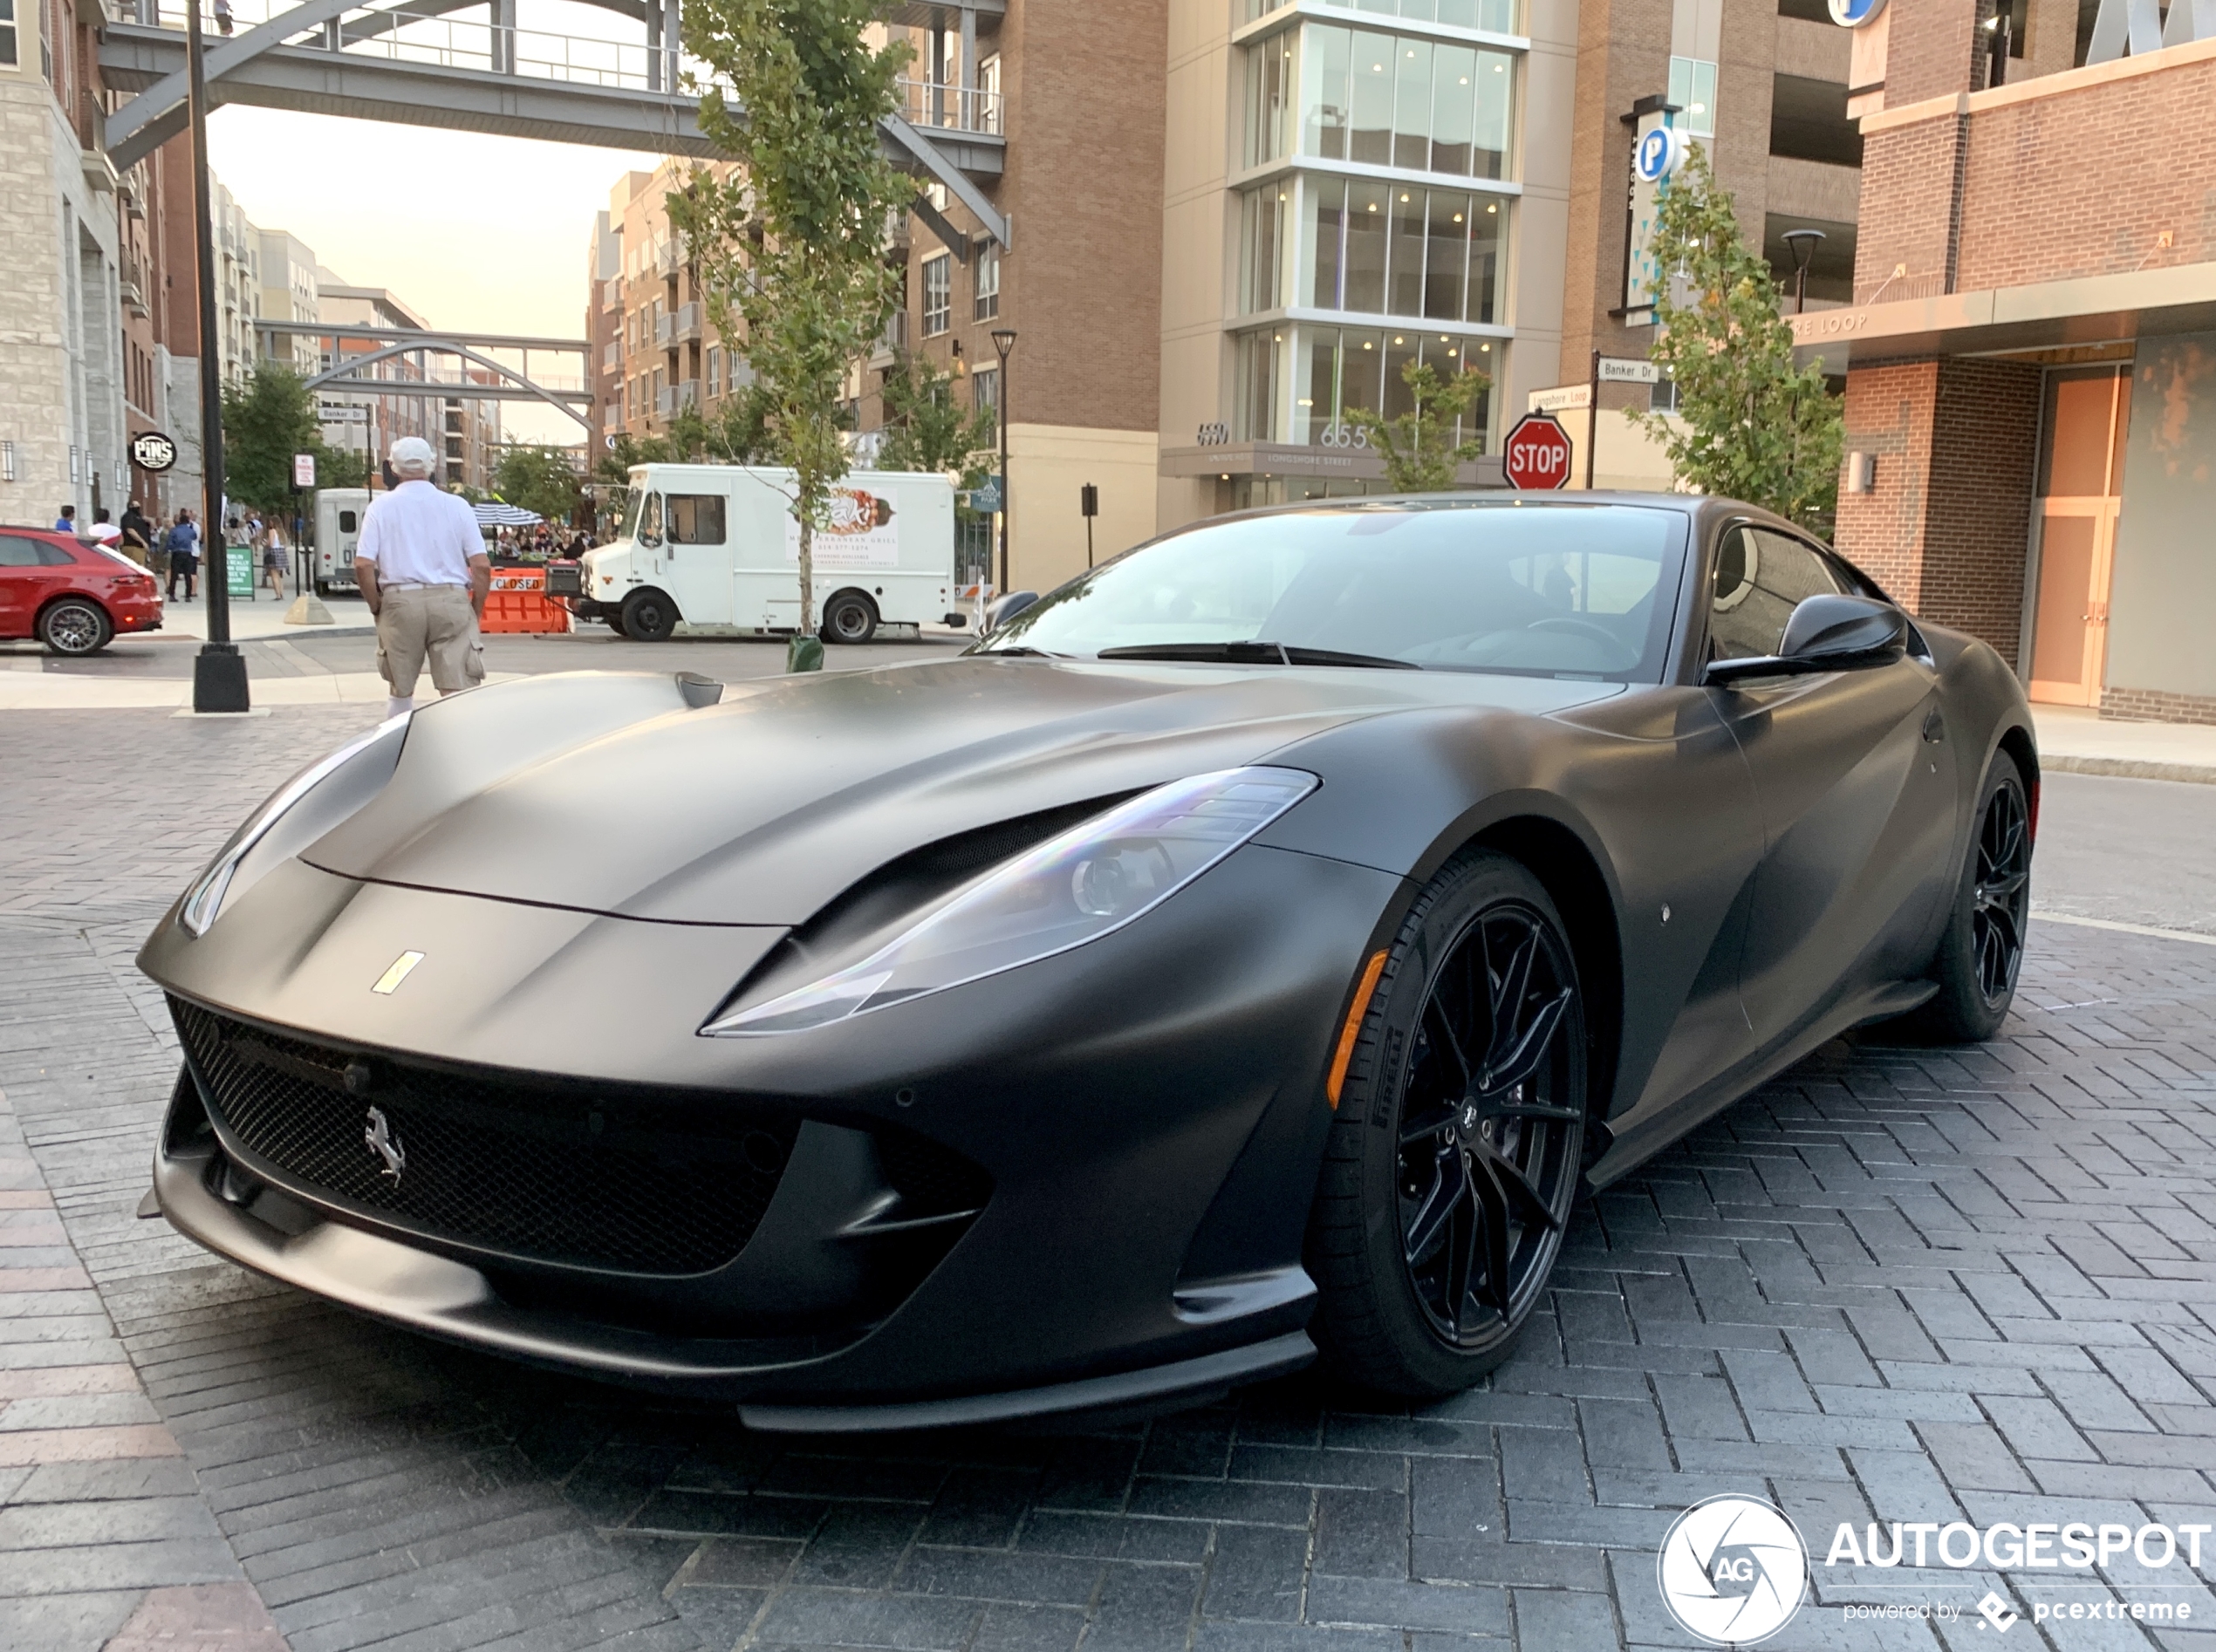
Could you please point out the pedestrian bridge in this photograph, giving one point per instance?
(421, 63)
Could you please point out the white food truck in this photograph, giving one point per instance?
(715, 550)
(339, 530)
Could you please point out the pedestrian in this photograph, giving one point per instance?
(422, 569)
(273, 561)
(66, 523)
(223, 15)
(138, 536)
(103, 531)
(183, 542)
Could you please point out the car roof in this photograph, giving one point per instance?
(44, 533)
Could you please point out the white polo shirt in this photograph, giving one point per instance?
(419, 535)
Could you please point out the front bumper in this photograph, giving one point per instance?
(1147, 1108)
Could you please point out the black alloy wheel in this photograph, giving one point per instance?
(2001, 896)
(1485, 1181)
(648, 616)
(75, 627)
(1981, 953)
(1458, 1145)
(850, 618)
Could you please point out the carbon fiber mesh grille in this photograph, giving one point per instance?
(603, 1177)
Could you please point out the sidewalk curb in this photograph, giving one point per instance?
(2127, 767)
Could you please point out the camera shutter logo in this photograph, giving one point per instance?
(1732, 1570)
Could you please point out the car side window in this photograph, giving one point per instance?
(1762, 576)
(52, 556)
(17, 552)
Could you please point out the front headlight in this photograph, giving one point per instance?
(1089, 882)
(206, 897)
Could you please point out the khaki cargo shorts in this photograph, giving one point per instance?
(432, 624)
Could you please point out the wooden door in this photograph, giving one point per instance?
(2071, 625)
(2081, 474)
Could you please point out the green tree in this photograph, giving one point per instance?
(926, 429)
(537, 476)
(1749, 425)
(788, 245)
(1417, 447)
(267, 416)
(341, 468)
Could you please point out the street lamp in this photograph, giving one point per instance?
(1003, 342)
(219, 670)
(1802, 244)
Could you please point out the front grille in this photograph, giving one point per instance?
(607, 1176)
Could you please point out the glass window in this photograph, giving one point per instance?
(985, 389)
(1370, 137)
(19, 553)
(1269, 92)
(8, 31)
(649, 528)
(938, 294)
(1558, 590)
(1261, 367)
(1365, 278)
(1447, 259)
(695, 519)
(1325, 236)
(1265, 232)
(1390, 101)
(1403, 294)
(1761, 577)
(1342, 369)
(1486, 238)
(1693, 88)
(987, 255)
(1326, 99)
(1411, 105)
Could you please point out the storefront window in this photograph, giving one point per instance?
(1296, 383)
(1399, 249)
(1388, 101)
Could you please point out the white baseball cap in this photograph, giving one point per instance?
(413, 456)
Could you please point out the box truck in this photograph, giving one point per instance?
(715, 550)
(339, 530)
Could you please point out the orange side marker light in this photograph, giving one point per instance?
(1352, 1030)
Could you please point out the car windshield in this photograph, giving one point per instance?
(1538, 591)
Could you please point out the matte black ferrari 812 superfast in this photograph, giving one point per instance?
(1252, 947)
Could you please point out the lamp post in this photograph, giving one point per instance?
(1003, 342)
(219, 670)
(1803, 242)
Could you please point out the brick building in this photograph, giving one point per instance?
(2031, 350)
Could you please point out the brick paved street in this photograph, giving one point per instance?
(1897, 1284)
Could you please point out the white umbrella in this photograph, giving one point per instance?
(495, 514)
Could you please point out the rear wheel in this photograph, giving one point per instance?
(849, 617)
(648, 616)
(1983, 948)
(75, 625)
(1457, 1151)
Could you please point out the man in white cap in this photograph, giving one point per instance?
(423, 571)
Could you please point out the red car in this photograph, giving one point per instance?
(71, 594)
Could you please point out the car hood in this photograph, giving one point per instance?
(604, 793)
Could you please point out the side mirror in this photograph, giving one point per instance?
(1000, 609)
(1826, 633)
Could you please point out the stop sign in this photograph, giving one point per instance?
(1536, 453)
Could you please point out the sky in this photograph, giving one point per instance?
(468, 230)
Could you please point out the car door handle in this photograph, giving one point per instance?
(1934, 728)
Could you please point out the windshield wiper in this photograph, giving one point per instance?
(1258, 653)
(1019, 648)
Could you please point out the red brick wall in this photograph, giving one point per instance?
(1904, 237)
(2085, 183)
(2157, 706)
(1946, 527)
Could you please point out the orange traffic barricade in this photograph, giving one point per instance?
(518, 603)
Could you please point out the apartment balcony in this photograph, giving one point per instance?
(673, 399)
(131, 282)
(670, 259)
(892, 340)
(611, 355)
(942, 106)
(681, 325)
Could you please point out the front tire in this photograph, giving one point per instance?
(1981, 953)
(648, 616)
(74, 627)
(850, 618)
(1458, 1144)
